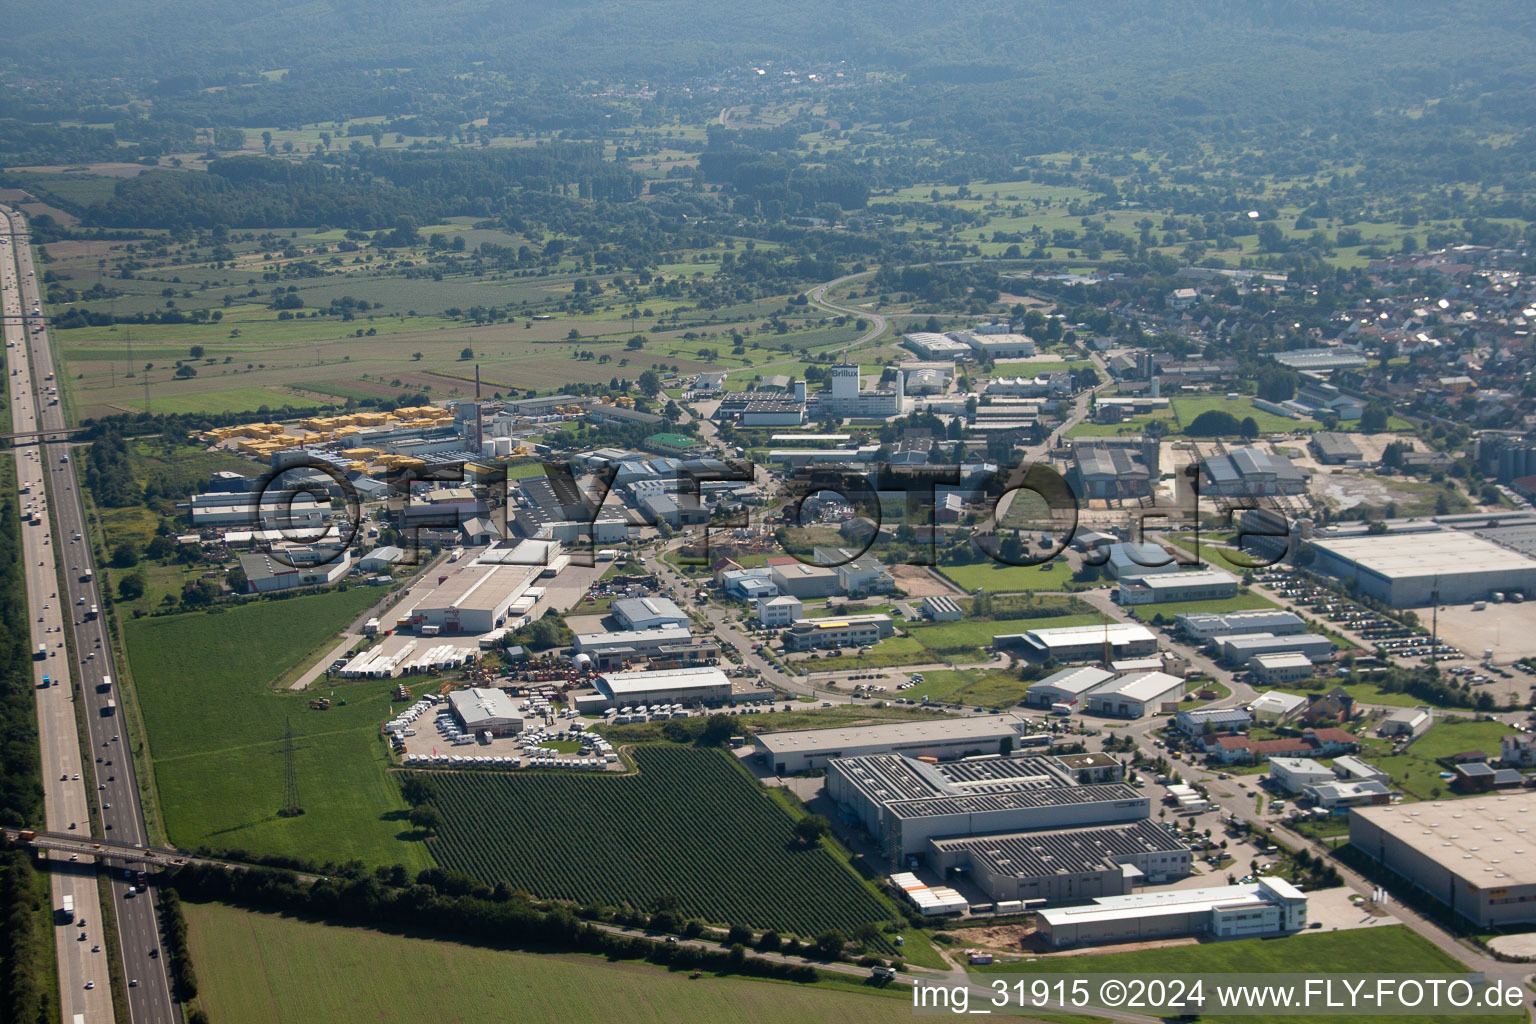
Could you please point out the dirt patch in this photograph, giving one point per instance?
(1005, 937)
(918, 581)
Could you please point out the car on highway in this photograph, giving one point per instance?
(90, 984)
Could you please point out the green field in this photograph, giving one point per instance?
(1416, 771)
(971, 687)
(259, 968)
(973, 637)
(688, 824)
(1186, 409)
(997, 578)
(216, 733)
(1387, 949)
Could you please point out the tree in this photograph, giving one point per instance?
(811, 828)
(829, 944)
(418, 789)
(1271, 238)
(237, 580)
(416, 356)
(1374, 418)
(650, 383)
(196, 351)
(186, 371)
(467, 353)
(132, 586)
(125, 555)
(426, 818)
(1249, 428)
(1213, 423)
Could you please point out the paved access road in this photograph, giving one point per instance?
(108, 772)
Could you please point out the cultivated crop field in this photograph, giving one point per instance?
(689, 825)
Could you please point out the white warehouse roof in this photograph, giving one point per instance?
(1416, 556)
(621, 683)
(893, 734)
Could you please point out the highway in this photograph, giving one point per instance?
(85, 668)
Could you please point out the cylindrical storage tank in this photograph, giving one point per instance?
(503, 446)
(488, 447)
(583, 663)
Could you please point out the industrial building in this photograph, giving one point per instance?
(1334, 795)
(935, 347)
(941, 609)
(1066, 687)
(1238, 649)
(797, 579)
(996, 346)
(1273, 707)
(648, 613)
(1281, 667)
(1142, 558)
(789, 753)
(780, 611)
(848, 631)
(1136, 695)
(485, 711)
(1267, 906)
(380, 559)
(844, 398)
(1355, 769)
(1066, 865)
(265, 574)
(1197, 585)
(1294, 774)
(301, 513)
(631, 643)
(1113, 468)
(1473, 855)
(1405, 570)
(1086, 643)
(1333, 449)
(1251, 473)
(476, 598)
(903, 802)
(696, 685)
(1410, 722)
(1203, 626)
(1198, 721)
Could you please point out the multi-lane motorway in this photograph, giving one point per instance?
(80, 658)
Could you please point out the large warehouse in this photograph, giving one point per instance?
(1066, 687)
(903, 802)
(1238, 649)
(1136, 695)
(474, 599)
(1202, 626)
(1066, 865)
(1404, 570)
(1196, 585)
(808, 749)
(699, 685)
(1086, 643)
(1474, 855)
(485, 711)
(1266, 906)
(648, 613)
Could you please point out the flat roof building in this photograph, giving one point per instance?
(809, 749)
(640, 641)
(1086, 643)
(1267, 906)
(1334, 449)
(797, 579)
(1196, 585)
(1405, 570)
(903, 803)
(698, 685)
(485, 711)
(1293, 774)
(847, 631)
(1281, 667)
(648, 613)
(1136, 695)
(1066, 865)
(1474, 855)
(475, 598)
(1239, 649)
(1203, 626)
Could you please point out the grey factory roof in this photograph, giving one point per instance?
(1487, 840)
(482, 708)
(1255, 621)
(1420, 555)
(1330, 443)
(914, 789)
(1065, 851)
(892, 734)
